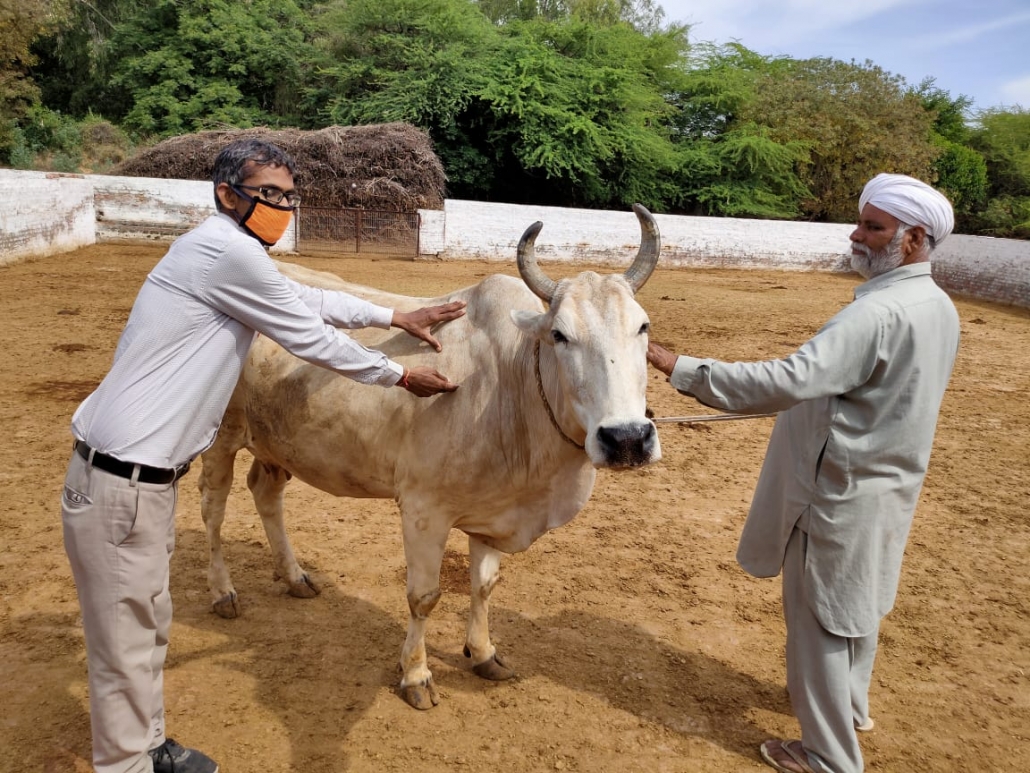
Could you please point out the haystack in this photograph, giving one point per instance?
(388, 166)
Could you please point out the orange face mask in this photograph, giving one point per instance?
(265, 221)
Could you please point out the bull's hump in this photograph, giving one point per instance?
(501, 293)
(325, 280)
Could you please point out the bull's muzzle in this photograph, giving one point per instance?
(628, 444)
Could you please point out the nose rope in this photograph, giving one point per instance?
(715, 417)
(547, 405)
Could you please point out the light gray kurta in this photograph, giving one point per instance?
(849, 452)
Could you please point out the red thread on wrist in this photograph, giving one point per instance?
(404, 379)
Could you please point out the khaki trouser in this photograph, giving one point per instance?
(827, 675)
(119, 535)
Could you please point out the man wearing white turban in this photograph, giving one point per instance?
(858, 406)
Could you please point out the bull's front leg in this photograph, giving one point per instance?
(424, 545)
(267, 482)
(215, 483)
(484, 569)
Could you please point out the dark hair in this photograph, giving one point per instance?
(233, 162)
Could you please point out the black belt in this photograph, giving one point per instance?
(160, 475)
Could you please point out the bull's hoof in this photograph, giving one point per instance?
(493, 669)
(305, 588)
(421, 696)
(228, 606)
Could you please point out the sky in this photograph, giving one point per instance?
(974, 48)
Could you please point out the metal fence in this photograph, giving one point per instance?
(355, 231)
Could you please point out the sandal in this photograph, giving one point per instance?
(797, 762)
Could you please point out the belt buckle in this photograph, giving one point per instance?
(181, 470)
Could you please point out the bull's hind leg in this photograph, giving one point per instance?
(267, 483)
(484, 568)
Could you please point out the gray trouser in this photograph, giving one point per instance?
(119, 535)
(827, 675)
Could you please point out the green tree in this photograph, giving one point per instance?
(571, 111)
(744, 173)
(730, 166)
(20, 24)
(644, 15)
(959, 171)
(855, 120)
(717, 82)
(1002, 137)
(418, 61)
(74, 59)
(961, 174)
(184, 65)
(581, 108)
(950, 114)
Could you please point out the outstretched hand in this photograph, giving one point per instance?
(423, 381)
(661, 358)
(419, 323)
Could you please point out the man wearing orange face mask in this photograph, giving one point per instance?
(159, 407)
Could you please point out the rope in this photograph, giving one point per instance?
(547, 405)
(716, 417)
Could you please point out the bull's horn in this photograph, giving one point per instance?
(650, 245)
(541, 285)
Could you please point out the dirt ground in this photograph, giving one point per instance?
(640, 645)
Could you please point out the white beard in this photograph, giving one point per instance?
(870, 264)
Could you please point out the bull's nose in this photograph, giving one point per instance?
(628, 444)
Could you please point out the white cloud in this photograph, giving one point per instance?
(1017, 92)
(968, 32)
(759, 24)
(968, 48)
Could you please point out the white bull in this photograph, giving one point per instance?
(546, 397)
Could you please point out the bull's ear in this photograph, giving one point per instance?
(529, 322)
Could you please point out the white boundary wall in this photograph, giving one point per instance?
(982, 267)
(492, 232)
(977, 266)
(44, 215)
(135, 208)
(47, 213)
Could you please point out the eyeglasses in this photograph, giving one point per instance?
(274, 195)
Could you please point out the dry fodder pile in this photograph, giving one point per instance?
(388, 166)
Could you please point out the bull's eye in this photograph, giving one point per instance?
(558, 337)
(645, 329)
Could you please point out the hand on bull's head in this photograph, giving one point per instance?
(661, 358)
(420, 322)
(423, 381)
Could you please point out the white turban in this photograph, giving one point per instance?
(911, 201)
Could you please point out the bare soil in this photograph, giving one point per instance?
(640, 644)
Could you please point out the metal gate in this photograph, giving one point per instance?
(355, 231)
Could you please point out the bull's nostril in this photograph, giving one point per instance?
(614, 437)
(626, 436)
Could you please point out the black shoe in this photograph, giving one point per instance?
(171, 757)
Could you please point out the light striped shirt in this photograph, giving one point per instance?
(188, 335)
